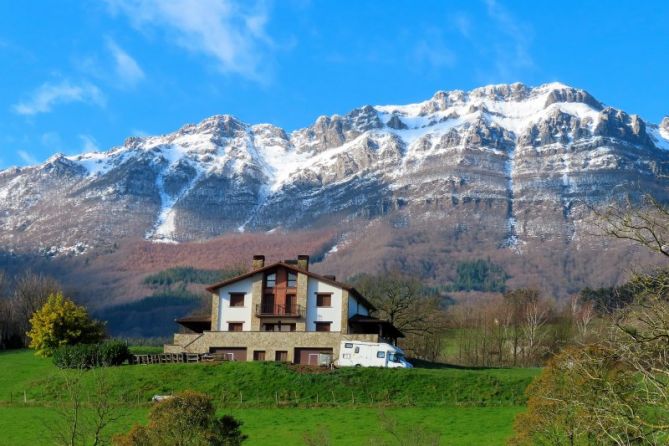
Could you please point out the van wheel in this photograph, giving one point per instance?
(358, 365)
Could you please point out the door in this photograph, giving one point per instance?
(309, 356)
(290, 304)
(267, 306)
(230, 353)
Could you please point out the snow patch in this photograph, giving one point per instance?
(78, 249)
(660, 137)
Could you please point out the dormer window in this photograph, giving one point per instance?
(270, 280)
(292, 279)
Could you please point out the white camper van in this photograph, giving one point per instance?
(371, 354)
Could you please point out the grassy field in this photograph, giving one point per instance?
(278, 403)
(457, 426)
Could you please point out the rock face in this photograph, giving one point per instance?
(518, 163)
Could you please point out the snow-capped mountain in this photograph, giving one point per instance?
(517, 162)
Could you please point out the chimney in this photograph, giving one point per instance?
(303, 262)
(258, 262)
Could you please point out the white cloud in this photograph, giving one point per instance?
(127, 69)
(463, 24)
(434, 54)
(512, 56)
(89, 144)
(231, 32)
(26, 157)
(46, 96)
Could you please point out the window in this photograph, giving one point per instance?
(348, 345)
(292, 279)
(259, 355)
(323, 300)
(281, 356)
(235, 326)
(323, 326)
(270, 280)
(380, 354)
(279, 327)
(357, 349)
(236, 299)
(267, 305)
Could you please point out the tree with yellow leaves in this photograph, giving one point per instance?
(62, 322)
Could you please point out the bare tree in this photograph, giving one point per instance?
(69, 432)
(85, 418)
(582, 314)
(414, 435)
(410, 307)
(517, 302)
(536, 313)
(647, 225)
(30, 293)
(6, 316)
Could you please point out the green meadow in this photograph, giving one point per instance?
(278, 403)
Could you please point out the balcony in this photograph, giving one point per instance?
(271, 310)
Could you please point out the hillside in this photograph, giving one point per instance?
(509, 173)
(463, 406)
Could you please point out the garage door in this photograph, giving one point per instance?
(309, 356)
(230, 353)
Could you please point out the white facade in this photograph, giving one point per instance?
(226, 313)
(245, 314)
(354, 307)
(323, 314)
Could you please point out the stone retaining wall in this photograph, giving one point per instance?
(267, 341)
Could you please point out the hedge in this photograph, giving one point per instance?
(86, 356)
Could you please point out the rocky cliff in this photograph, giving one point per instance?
(507, 164)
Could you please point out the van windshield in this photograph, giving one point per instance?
(395, 357)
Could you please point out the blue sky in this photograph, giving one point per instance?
(84, 75)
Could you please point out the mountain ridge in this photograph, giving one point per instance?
(504, 166)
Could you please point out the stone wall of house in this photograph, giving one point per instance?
(269, 342)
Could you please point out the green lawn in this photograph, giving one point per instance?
(278, 403)
(456, 425)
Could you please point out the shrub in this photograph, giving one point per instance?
(62, 322)
(86, 356)
(113, 353)
(188, 418)
(80, 356)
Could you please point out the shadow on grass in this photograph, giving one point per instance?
(422, 364)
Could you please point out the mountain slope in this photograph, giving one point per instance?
(505, 166)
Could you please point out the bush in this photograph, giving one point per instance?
(80, 356)
(188, 418)
(86, 356)
(113, 353)
(62, 322)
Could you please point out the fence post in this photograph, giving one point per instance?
(241, 397)
(334, 400)
(276, 397)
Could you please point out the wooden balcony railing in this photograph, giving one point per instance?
(271, 310)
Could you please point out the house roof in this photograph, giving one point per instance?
(213, 288)
(195, 323)
(388, 329)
